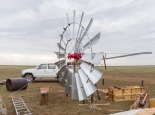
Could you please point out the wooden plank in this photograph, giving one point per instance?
(94, 104)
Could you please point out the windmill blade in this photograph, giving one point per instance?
(60, 63)
(89, 87)
(68, 79)
(60, 55)
(93, 41)
(74, 91)
(90, 23)
(133, 54)
(81, 92)
(80, 25)
(60, 47)
(61, 73)
(93, 74)
(94, 58)
(73, 22)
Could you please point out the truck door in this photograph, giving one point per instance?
(52, 70)
(41, 71)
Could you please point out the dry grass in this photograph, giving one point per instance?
(59, 104)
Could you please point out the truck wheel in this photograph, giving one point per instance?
(29, 77)
(58, 79)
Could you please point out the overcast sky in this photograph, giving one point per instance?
(29, 29)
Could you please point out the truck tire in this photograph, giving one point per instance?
(29, 77)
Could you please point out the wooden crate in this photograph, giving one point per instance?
(126, 93)
(3, 110)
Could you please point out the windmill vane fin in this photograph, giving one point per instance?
(92, 42)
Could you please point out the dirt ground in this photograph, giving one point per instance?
(59, 104)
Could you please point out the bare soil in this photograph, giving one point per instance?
(60, 104)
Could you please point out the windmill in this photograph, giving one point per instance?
(77, 73)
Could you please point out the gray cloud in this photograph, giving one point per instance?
(30, 28)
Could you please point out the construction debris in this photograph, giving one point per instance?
(95, 104)
(126, 93)
(141, 102)
(2, 82)
(104, 91)
(20, 106)
(3, 110)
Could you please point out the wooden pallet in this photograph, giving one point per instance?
(126, 93)
(3, 110)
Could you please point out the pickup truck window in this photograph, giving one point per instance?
(51, 66)
(43, 66)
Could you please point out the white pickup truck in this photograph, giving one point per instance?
(42, 71)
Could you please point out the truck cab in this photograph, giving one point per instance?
(41, 71)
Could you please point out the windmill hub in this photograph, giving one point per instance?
(75, 56)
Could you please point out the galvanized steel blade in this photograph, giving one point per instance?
(133, 54)
(89, 87)
(81, 92)
(93, 74)
(61, 73)
(73, 22)
(60, 55)
(90, 23)
(65, 78)
(60, 63)
(79, 25)
(60, 47)
(74, 93)
(94, 58)
(67, 44)
(68, 86)
(93, 41)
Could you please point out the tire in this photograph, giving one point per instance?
(58, 79)
(29, 77)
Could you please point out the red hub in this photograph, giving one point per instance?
(75, 56)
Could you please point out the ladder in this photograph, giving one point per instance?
(20, 106)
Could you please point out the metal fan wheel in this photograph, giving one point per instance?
(77, 73)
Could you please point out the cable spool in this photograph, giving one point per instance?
(15, 84)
